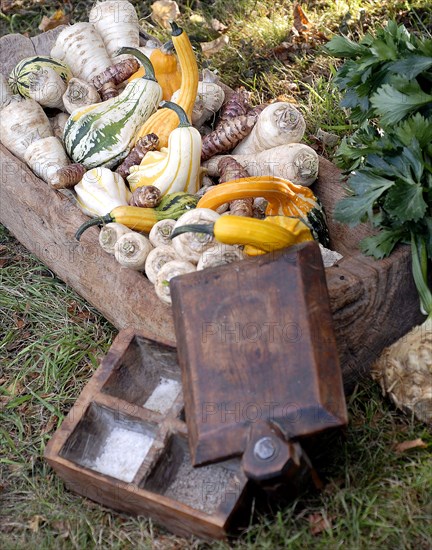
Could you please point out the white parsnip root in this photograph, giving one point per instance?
(110, 234)
(161, 231)
(58, 123)
(157, 258)
(21, 124)
(81, 47)
(131, 250)
(190, 246)
(46, 157)
(296, 162)
(167, 272)
(47, 87)
(219, 254)
(117, 23)
(79, 93)
(278, 123)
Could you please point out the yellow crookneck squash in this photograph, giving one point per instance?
(176, 168)
(164, 121)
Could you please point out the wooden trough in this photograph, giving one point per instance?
(366, 296)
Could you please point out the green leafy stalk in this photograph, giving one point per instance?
(419, 270)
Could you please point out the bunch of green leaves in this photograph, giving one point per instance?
(392, 188)
(387, 81)
(387, 75)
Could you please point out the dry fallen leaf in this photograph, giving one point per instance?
(55, 20)
(318, 523)
(406, 445)
(50, 425)
(217, 26)
(215, 46)
(301, 22)
(35, 523)
(164, 11)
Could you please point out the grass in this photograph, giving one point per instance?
(51, 340)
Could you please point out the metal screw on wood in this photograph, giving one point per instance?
(264, 448)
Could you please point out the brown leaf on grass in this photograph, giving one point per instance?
(55, 20)
(50, 425)
(62, 528)
(318, 523)
(301, 22)
(215, 46)
(303, 37)
(164, 11)
(3, 249)
(4, 262)
(407, 445)
(35, 523)
(217, 26)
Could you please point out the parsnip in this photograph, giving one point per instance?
(157, 258)
(295, 162)
(278, 123)
(79, 93)
(190, 246)
(117, 23)
(58, 123)
(45, 157)
(47, 87)
(110, 234)
(131, 250)
(166, 273)
(161, 231)
(82, 49)
(22, 123)
(219, 254)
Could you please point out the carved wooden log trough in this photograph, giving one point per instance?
(366, 296)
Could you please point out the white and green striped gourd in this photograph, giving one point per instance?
(102, 134)
(19, 78)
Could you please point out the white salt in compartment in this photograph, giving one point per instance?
(148, 375)
(110, 442)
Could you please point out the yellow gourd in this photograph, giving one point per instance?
(167, 70)
(259, 235)
(164, 121)
(175, 169)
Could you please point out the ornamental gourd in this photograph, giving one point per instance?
(166, 68)
(163, 122)
(102, 134)
(178, 168)
(19, 79)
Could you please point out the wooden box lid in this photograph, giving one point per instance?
(258, 353)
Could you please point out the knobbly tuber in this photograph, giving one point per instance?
(231, 170)
(227, 135)
(143, 145)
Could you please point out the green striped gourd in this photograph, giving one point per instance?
(19, 77)
(102, 134)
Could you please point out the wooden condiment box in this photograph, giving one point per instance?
(124, 444)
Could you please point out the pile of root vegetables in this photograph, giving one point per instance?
(157, 152)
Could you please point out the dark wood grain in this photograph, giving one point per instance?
(256, 345)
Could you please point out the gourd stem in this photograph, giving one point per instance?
(168, 47)
(94, 221)
(184, 121)
(193, 228)
(175, 29)
(142, 58)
